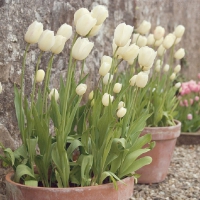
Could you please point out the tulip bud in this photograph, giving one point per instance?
(79, 13)
(91, 95)
(169, 41)
(106, 59)
(122, 34)
(177, 40)
(141, 80)
(157, 68)
(178, 85)
(81, 89)
(84, 24)
(144, 27)
(150, 40)
(135, 37)
(166, 68)
(106, 99)
(142, 41)
(34, 32)
(65, 30)
(159, 32)
(179, 31)
(117, 88)
(120, 105)
(173, 76)
(46, 40)
(104, 69)
(106, 78)
(54, 93)
(131, 52)
(100, 13)
(92, 102)
(161, 50)
(40, 75)
(121, 112)
(133, 80)
(189, 117)
(177, 69)
(58, 45)
(159, 42)
(1, 88)
(95, 30)
(146, 57)
(179, 54)
(81, 48)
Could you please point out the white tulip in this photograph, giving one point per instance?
(106, 99)
(54, 93)
(117, 88)
(82, 48)
(100, 13)
(177, 69)
(46, 40)
(34, 32)
(133, 80)
(106, 59)
(122, 34)
(159, 42)
(91, 95)
(178, 85)
(161, 50)
(141, 80)
(169, 41)
(79, 13)
(179, 31)
(135, 37)
(81, 89)
(104, 69)
(150, 40)
(85, 24)
(1, 88)
(106, 78)
(179, 54)
(166, 68)
(95, 30)
(65, 30)
(120, 105)
(159, 32)
(144, 27)
(173, 76)
(177, 40)
(131, 52)
(158, 62)
(120, 50)
(157, 68)
(40, 75)
(121, 112)
(142, 41)
(58, 45)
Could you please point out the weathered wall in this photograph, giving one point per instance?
(16, 15)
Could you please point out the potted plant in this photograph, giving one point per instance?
(160, 97)
(188, 112)
(71, 149)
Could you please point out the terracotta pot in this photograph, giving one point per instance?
(165, 138)
(15, 191)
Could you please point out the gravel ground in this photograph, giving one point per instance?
(183, 179)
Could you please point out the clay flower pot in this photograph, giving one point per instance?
(15, 191)
(165, 138)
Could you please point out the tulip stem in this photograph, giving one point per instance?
(34, 83)
(82, 68)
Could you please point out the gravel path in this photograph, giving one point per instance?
(183, 179)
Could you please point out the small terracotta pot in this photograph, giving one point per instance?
(15, 191)
(189, 138)
(165, 138)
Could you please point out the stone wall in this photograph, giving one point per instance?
(16, 15)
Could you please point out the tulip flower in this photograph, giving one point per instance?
(40, 75)
(146, 57)
(144, 27)
(141, 80)
(65, 30)
(81, 48)
(196, 98)
(161, 50)
(177, 40)
(34, 32)
(159, 42)
(94, 31)
(177, 69)
(100, 13)
(58, 45)
(122, 34)
(91, 95)
(54, 93)
(169, 41)
(189, 117)
(150, 40)
(135, 37)
(46, 40)
(178, 85)
(173, 76)
(1, 88)
(121, 112)
(142, 41)
(166, 68)
(120, 105)
(179, 31)
(117, 88)
(159, 32)
(131, 52)
(106, 99)
(179, 54)
(81, 89)
(157, 68)
(84, 24)
(106, 59)
(106, 78)
(133, 80)
(104, 69)
(79, 13)
(120, 50)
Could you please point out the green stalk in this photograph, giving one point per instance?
(82, 68)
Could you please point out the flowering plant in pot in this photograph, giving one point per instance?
(160, 97)
(55, 124)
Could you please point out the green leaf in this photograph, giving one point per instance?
(10, 154)
(31, 183)
(55, 113)
(74, 144)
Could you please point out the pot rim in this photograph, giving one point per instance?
(9, 176)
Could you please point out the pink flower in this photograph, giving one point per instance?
(189, 117)
(196, 98)
(185, 102)
(181, 103)
(191, 101)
